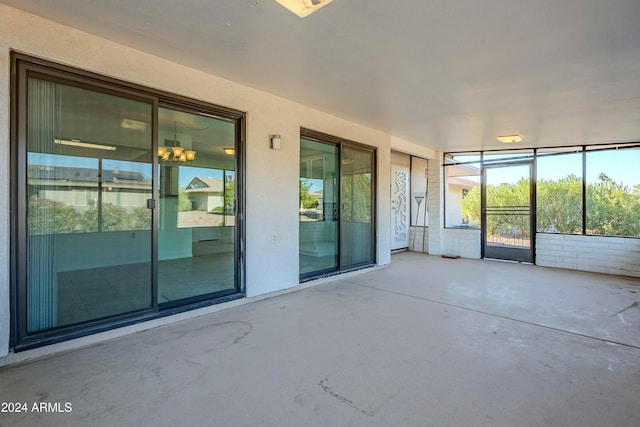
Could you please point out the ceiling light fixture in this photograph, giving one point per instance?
(230, 151)
(303, 8)
(78, 143)
(133, 124)
(176, 153)
(509, 139)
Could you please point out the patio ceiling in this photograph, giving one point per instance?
(447, 75)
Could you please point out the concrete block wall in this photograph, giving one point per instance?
(416, 242)
(610, 255)
(462, 242)
(435, 202)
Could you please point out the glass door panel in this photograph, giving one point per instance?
(197, 230)
(356, 217)
(88, 230)
(318, 208)
(507, 212)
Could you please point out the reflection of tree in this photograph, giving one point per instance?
(115, 218)
(229, 195)
(51, 217)
(356, 198)
(184, 204)
(612, 208)
(308, 200)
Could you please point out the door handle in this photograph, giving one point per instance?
(151, 204)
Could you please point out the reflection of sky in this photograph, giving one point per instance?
(317, 185)
(60, 160)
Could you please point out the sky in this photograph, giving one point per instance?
(619, 165)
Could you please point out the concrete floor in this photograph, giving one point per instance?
(425, 342)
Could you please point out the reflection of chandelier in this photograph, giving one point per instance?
(176, 153)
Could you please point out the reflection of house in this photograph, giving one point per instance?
(78, 186)
(206, 194)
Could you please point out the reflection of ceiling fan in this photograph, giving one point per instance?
(303, 8)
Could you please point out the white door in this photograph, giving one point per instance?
(399, 206)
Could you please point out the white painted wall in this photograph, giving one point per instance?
(271, 176)
(412, 148)
(4, 188)
(419, 176)
(454, 211)
(611, 255)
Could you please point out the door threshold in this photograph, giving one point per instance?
(511, 261)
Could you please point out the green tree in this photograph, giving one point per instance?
(140, 219)
(356, 197)
(51, 217)
(470, 206)
(560, 205)
(612, 208)
(308, 200)
(114, 218)
(229, 196)
(184, 204)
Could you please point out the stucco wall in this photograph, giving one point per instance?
(271, 176)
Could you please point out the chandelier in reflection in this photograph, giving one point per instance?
(177, 153)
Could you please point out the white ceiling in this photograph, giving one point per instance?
(449, 74)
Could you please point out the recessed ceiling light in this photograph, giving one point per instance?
(78, 143)
(509, 139)
(133, 124)
(303, 8)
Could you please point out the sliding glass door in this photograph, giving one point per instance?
(125, 202)
(87, 252)
(356, 217)
(336, 210)
(197, 198)
(318, 207)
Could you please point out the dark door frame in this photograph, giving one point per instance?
(323, 138)
(505, 253)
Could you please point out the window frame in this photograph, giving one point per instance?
(562, 150)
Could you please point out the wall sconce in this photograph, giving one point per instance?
(275, 142)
